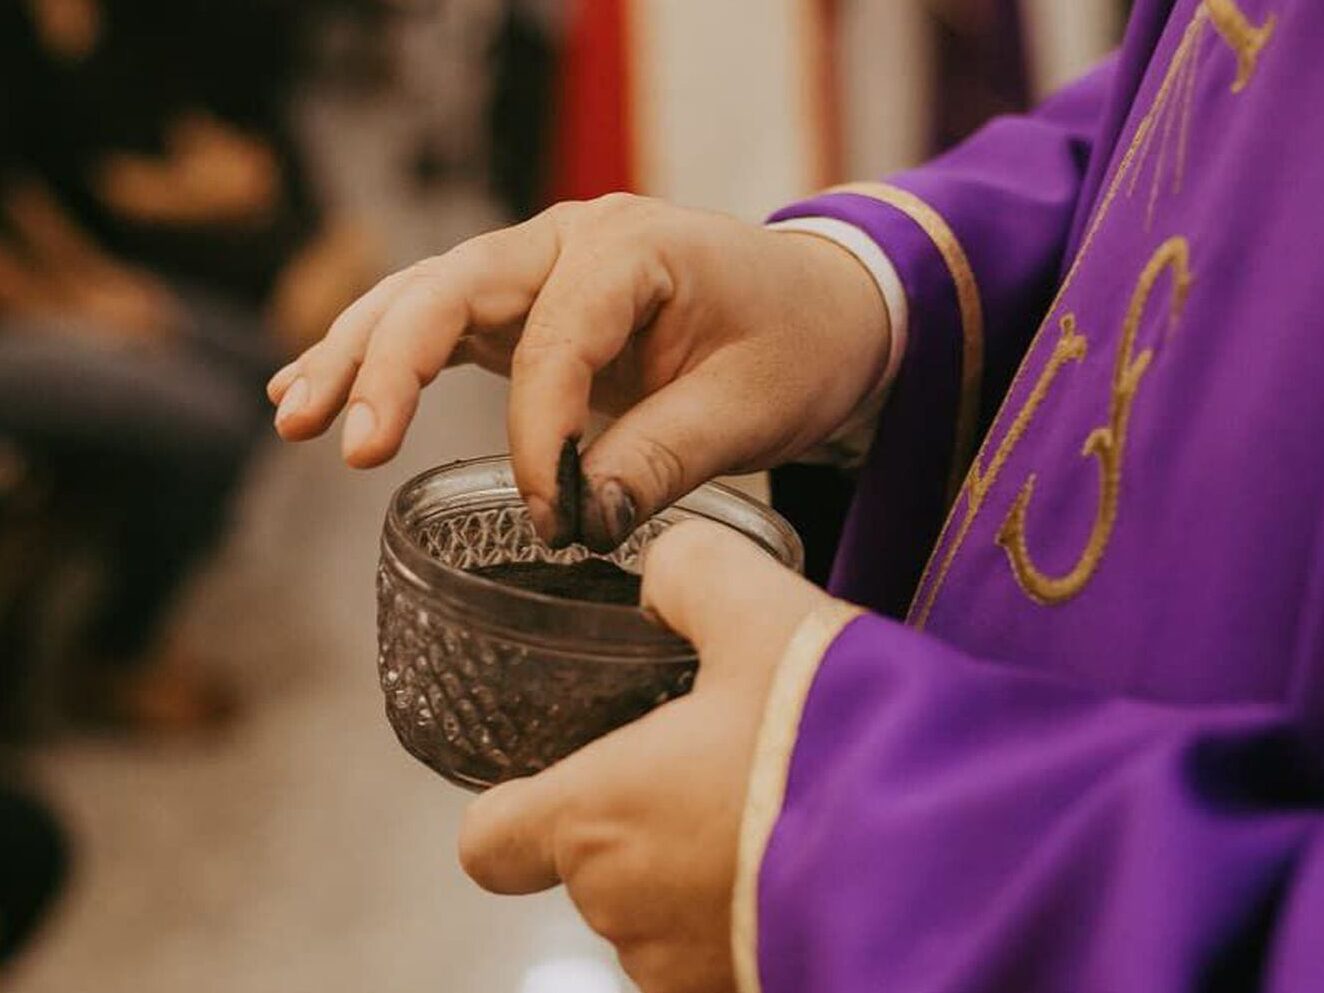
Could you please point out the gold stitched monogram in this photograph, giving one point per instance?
(1169, 112)
(1107, 443)
(1246, 39)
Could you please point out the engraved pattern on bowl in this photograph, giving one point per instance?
(485, 684)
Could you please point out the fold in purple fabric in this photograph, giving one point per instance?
(958, 826)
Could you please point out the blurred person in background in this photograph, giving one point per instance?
(136, 400)
(33, 849)
(1060, 723)
(158, 252)
(33, 866)
(164, 129)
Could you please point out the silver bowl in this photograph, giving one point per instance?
(486, 682)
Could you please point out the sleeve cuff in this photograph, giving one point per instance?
(768, 772)
(940, 288)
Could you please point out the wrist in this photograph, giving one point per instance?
(869, 308)
(859, 310)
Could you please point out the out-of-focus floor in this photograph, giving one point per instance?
(306, 852)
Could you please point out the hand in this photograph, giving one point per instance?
(642, 825)
(724, 347)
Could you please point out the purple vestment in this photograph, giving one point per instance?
(1091, 760)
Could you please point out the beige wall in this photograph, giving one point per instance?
(886, 67)
(1066, 37)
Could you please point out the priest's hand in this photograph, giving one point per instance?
(642, 825)
(721, 346)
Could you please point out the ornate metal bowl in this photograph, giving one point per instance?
(486, 682)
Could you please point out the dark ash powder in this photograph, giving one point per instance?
(593, 580)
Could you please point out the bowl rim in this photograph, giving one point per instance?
(634, 625)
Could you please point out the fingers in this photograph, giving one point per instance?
(729, 597)
(311, 390)
(281, 381)
(691, 430)
(586, 312)
(507, 838)
(394, 340)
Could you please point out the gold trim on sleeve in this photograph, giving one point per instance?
(971, 309)
(768, 772)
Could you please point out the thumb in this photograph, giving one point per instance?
(507, 836)
(729, 597)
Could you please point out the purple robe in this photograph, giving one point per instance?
(1090, 759)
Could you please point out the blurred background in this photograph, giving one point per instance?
(198, 790)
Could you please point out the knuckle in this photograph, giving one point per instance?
(602, 913)
(584, 837)
(605, 920)
(533, 351)
(591, 853)
(324, 361)
(474, 850)
(571, 214)
(653, 967)
(563, 210)
(610, 203)
(566, 215)
(473, 251)
(664, 466)
(420, 270)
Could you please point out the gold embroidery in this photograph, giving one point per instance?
(1107, 444)
(1071, 347)
(767, 779)
(978, 483)
(1172, 108)
(1246, 39)
(968, 302)
(1188, 110)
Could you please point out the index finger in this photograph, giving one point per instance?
(593, 301)
(393, 341)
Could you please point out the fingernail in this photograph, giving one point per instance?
(611, 518)
(618, 511)
(293, 400)
(568, 489)
(360, 425)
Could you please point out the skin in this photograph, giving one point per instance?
(720, 347)
(649, 860)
